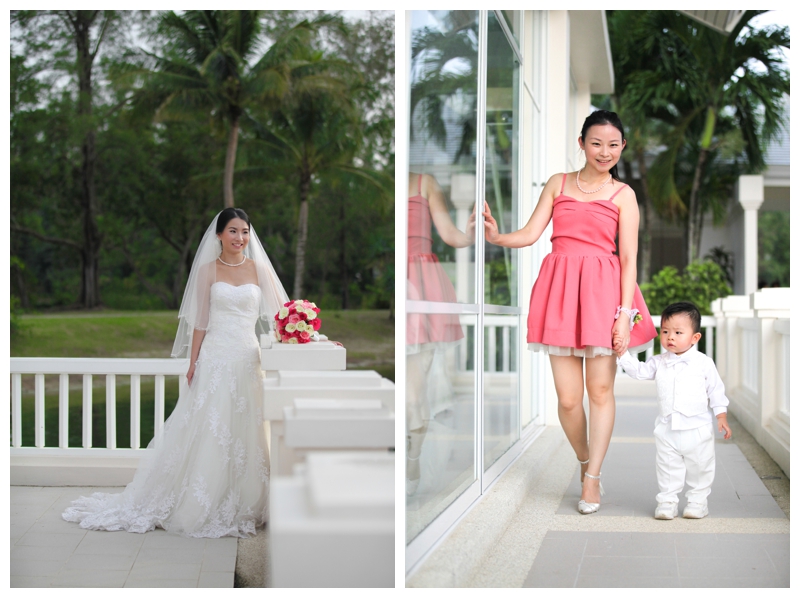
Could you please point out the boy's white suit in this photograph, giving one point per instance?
(687, 384)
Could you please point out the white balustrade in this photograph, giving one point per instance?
(40, 464)
(494, 346)
(753, 361)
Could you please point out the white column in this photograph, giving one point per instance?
(751, 196)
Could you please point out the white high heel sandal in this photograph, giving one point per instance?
(586, 508)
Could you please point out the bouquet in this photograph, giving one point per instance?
(297, 322)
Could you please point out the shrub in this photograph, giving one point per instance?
(700, 283)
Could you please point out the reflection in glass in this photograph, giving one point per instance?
(500, 386)
(440, 415)
(440, 388)
(502, 147)
(513, 19)
(444, 91)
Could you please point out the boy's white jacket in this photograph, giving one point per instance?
(687, 385)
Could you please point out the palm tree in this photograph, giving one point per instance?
(700, 77)
(214, 67)
(316, 130)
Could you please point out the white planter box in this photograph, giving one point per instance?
(332, 522)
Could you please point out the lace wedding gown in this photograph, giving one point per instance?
(207, 475)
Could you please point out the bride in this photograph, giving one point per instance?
(207, 474)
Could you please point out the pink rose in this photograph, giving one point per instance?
(316, 323)
(305, 336)
(294, 319)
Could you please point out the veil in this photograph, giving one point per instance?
(195, 306)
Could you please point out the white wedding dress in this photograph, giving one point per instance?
(207, 475)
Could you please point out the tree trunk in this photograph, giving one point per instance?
(693, 232)
(343, 255)
(90, 288)
(646, 248)
(302, 232)
(230, 162)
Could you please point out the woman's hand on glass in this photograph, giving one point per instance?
(490, 229)
(469, 231)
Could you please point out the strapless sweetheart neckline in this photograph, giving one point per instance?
(236, 286)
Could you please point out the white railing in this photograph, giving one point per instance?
(782, 328)
(753, 359)
(39, 367)
(494, 347)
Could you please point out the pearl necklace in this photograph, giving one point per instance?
(244, 259)
(578, 182)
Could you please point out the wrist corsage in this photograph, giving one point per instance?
(297, 322)
(633, 314)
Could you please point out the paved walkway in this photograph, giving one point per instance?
(542, 541)
(47, 551)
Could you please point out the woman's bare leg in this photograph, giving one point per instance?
(568, 377)
(417, 409)
(600, 373)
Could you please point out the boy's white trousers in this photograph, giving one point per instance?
(684, 455)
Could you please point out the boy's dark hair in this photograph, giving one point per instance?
(683, 307)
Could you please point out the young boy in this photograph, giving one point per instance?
(688, 384)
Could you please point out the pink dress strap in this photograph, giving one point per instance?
(563, 182)
(618, 190)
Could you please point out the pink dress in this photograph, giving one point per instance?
(427, 280)
(576, 295)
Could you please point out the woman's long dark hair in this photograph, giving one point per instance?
(604, 117)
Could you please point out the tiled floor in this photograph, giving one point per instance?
(47, 551)
(644, 552)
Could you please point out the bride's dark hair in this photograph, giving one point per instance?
(228, 214)
(604, 117)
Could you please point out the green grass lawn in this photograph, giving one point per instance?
(367, 335)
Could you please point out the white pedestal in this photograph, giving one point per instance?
(322, 355)
(331, 424)
(332, 522)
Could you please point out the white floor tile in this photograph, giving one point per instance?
(215, 579)
(75, 578)
(98, 562)
(27, 567)
(165, 571)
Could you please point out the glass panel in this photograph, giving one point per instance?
(500, 385)
(440, 417)
(502, 163)
(442, 156)
(514, 21)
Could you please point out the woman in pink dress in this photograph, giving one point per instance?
(585, 303)
(427, 281)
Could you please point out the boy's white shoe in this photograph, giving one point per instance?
(695, 511)
(666, 510)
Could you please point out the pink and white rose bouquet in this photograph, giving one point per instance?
(298, 322)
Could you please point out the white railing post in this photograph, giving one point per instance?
(63, 410)
(159, 405)
(136, 394)
(39, 410)
(506, 349)
(87, 411)
(111, 411)
(491, 349)
(16, 410)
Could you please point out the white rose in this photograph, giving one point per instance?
(291, 327)
(284, 312)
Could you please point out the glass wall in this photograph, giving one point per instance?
(465, 350)
(440, 285)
